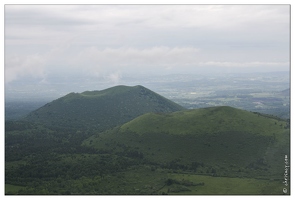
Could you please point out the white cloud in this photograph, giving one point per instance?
(114, 78)
(108, 62)
(110, 40)
(20, 66)
(128, 56)
(111, 63)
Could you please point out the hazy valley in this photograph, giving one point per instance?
(258, 92)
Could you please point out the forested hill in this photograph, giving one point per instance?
(231, 141)
(100, 110)
(217, 150)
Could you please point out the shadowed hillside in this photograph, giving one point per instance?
(103, 109)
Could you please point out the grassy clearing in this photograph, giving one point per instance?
(12, 189)
(222, 186)
(146, 179)
(207, 120)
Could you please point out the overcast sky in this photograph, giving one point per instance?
(43, 42)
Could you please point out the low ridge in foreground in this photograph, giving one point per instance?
(220, 141)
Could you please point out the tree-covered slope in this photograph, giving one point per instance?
(220, 140)
(100, 110)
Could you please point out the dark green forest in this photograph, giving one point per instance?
(219, 150)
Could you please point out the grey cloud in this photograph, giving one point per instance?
(110, 40)
(143, 57)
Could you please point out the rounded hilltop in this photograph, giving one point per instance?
(102, 109)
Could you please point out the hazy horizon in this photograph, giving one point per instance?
(62, 47)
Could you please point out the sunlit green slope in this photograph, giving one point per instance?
(206, 120)
(220, 140)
